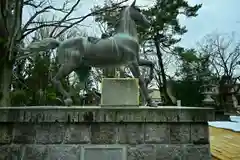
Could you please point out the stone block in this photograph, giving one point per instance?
(169, 152)
(142, 151)
(104, 152)
(199, 133)
(156, 133)
(4, 115)
(120, 92)
(16, 151)
(13, 115)
(77, 134)
(132, 133)
(43, 115)
(5, 133)
(153, 115)
(179, 133)
(63, 152)
(196, 152)
(50, 133)
(10, 152)
(4, 152)
(24, 133)
(105, 116)
(129, 115)
(103, 133)
(35, 152)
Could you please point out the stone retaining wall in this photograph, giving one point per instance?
(45, 133)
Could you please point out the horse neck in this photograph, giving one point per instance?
(127, 26)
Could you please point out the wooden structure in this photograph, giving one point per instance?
(224, 144)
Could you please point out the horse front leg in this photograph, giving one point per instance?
(64, 71)
(150, 64)
(136, 73)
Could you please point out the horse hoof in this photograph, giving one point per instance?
(152, 104)
(68, 102)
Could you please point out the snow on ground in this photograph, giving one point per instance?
(233, 125)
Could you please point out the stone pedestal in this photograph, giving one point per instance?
(75, 133)
(120, 92)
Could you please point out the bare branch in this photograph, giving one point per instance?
(45, 9)
(102, 28)
(65, 23)
(33, 4)
(224, 53)
(90, 14)
(65, 17)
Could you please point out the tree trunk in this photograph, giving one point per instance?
(10, 31)
(109, 72)
(5, 67)
(5, 82)
(162, 89)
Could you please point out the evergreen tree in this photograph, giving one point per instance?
(163, 32)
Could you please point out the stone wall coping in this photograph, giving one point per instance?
(77, 114)
(107, 108)
(107, 146)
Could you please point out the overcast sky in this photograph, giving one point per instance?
(215, 15)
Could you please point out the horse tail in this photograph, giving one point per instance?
(43, 45)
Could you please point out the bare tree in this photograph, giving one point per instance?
(13, 31)
(224, 52)
(224, 55)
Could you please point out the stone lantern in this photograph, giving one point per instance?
(209, 91)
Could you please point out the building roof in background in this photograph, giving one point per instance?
(155, 93)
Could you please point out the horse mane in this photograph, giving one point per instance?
(120, 16)
(126, 21)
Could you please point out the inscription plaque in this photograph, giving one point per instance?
(120, 92)
(103, 152)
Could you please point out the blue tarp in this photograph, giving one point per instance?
(233, 125)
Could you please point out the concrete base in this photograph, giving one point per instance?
(120, 92)
(50, 133)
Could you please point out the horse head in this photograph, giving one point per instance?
(137, 15)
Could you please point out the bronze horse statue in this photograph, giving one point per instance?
(79, 54)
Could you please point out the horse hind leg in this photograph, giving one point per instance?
(150, 65)
(144, 91)
(64, 71)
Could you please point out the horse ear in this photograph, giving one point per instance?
(133, 4)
